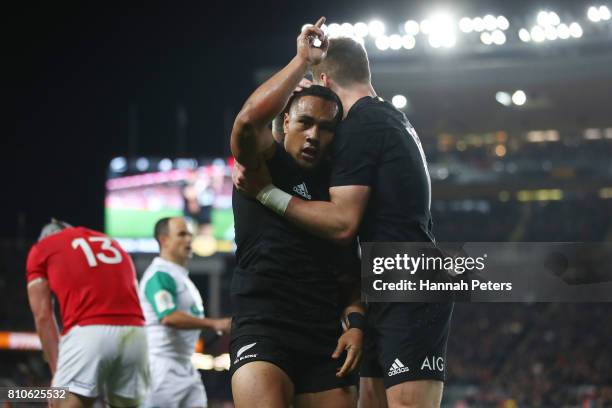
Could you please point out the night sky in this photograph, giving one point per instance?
(77, 70)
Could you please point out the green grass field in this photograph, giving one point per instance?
(139, 224)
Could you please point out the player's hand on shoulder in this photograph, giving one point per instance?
(312, 43)
(251, 181)
(351, 341)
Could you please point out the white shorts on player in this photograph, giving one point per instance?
(104, 360)
(174, 384)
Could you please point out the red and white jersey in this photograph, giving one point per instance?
(92, 277)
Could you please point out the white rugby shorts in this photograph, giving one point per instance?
(106, 360)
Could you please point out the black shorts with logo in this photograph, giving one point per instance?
(303, 354)
(406, 342)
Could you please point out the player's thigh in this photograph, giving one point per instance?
(345, 397)
(416, 394)
(74, 401)
(127, 381)
(372, 393)
(261, 384)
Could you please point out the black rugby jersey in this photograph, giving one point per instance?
(376, 146)
(282, 271)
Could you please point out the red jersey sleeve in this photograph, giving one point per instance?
(36, 266)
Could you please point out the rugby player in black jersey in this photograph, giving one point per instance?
(380, 190)
(289, 288)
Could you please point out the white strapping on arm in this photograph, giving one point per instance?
(274, 198)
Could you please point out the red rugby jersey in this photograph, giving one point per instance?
(92, 277)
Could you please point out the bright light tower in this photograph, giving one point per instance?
(361, 29)
(524, 35)
(466, 25)
(377, 28)
(490, 22)
(399, 101)
(395, 42)
(504, 98)
(519, 98)
(441, 30)
(503, 23)
(575, 30)
(382, 42)
(593, 14)
(604, 13)
(411, 27)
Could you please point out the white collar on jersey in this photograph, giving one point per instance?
(160, 261)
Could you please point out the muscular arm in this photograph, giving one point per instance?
(338, 219)
(251, 139)
(39, 297)
(185, 321)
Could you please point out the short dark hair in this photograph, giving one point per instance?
(346, 63)
(321, 92)
(161, 228)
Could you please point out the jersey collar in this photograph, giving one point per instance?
(160, 261)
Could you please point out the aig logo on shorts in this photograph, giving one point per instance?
(240, 357)
(433, 363)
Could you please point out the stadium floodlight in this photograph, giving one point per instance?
(563, 31)
(346, 30)
(411, 27)
(118, 164)
(490, 22)
(142, 164)
(395, 42)
(538, 34)
(399, 101)
(466, 25)
(425, 26)
(486, 38)
(543, 18)
(479, 24)
(604, 13)
(504, 98)
(553, 18)
(382, 42)
(408, 42)
(498, 37)
(551, 33)
(377, 28)
(503, 23)
(593, 14)
(165, 165)
(519, 98)
(361, 29)
(524, 35)
(575, 30)
(441, 27)
(333, 30)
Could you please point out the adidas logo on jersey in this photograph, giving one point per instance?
(302, 190)
(397, 367)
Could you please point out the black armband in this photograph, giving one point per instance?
(356, 321)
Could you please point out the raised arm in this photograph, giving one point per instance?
(251, 139)
(39, 296)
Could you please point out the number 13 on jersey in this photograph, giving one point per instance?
(107, 253)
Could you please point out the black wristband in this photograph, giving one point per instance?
(356, 321)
